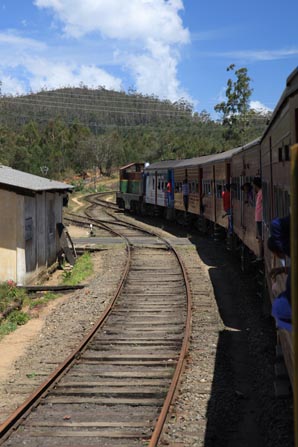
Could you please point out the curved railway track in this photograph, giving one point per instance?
(116, 388)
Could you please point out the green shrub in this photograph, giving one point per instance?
(18, 317)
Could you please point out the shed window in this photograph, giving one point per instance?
(280, 154)
(287, 153)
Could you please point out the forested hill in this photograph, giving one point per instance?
(74, 129)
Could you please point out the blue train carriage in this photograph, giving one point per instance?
(159, 187)
(130, 196)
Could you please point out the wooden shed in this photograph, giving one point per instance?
(30, 209)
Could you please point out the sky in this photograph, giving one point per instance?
(170, 48)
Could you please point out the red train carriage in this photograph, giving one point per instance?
(246, 164)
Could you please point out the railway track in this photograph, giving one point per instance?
(116, 389)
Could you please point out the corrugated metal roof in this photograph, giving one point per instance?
(18, 179)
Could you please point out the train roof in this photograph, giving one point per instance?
(291, 88)
(13, 179)
(165, 164)
(203, 159)
(221, 156)
(249, 145)
(130, 165)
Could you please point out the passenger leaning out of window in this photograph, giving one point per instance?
(226, 198)
(279, 245)
(257, 183)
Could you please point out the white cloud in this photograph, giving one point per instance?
(133, 19)
(152, 30)
(28, 58)
(60, 75)
(259, 55)
(259, 107)
(11, 85)
(13, 39)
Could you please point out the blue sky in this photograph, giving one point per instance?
(171, 48)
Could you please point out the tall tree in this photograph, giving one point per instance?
(235, 110)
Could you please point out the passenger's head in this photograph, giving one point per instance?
(227, 186)
(257, 182)
(185, 180)
(275, 247)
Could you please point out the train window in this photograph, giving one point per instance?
(280, 154)
(236, 190)
(197, 187)
(207, 187)
(287, 152)
(219, 189)
(153, 183)
(193, 187)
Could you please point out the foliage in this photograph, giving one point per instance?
(240, 123)
(10, 293)
(6, 328)
(78, 129)
(82, 269)
(48, 296)
(18, 317)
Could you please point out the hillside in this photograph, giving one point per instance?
(74, 129)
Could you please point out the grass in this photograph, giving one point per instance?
(9, 294)
(46, 298)
(6, 327)
(82, 269)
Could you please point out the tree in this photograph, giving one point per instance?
(235, 110)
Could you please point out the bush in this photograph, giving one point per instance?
(18, 317)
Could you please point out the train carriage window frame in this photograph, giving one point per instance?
(207, 190)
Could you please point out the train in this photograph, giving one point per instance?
(158, 189)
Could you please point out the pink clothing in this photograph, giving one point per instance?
(259, 207)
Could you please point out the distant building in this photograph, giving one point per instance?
(30, 208)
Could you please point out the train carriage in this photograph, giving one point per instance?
(216, 172)
(191, 171)
(130, 196)
(159, 181)
(245, 165)
(281, 133)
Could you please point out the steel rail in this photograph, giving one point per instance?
(184, 349)
(16, 418)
